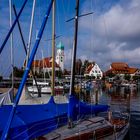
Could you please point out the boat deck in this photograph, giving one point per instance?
(89, 128)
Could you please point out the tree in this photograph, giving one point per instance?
(85, 65)
(87, 77)
(1, 78)
(17, 72)
(93, 77)
(78, 67)
(103, 78)
(59, 74)
(110, 74)
(127, 77)
(135, 77)
(66, 72)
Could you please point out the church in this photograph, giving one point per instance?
(45, 64)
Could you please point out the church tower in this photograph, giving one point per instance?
(60, 55)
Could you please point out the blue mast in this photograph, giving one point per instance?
(39, 36)
(11, 29)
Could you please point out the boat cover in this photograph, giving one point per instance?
(31, 121)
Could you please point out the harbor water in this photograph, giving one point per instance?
(118, 98)
(121, 99)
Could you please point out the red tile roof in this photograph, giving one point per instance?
(121, 68)
(46, 63)
(89, 68)
(132, 70)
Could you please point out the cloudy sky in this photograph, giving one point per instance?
(111, 34)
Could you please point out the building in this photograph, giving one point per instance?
(60, 56)
(44, 65)
(94, 70)
(120, 68)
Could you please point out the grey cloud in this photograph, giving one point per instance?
(115, 33)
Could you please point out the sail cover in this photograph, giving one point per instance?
(31, 121)
(77, 108)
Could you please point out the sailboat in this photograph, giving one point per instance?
(31, 121)
(115, 127)
(45, 85)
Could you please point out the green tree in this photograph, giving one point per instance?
(85, 65)
(59, 74)
(47, 75)
(1, 78)
(103, 78)
(93, 77)
(110, 75)
(127, 77)
(136, 77)
(17, 72)
(87, 77)
(78, 67)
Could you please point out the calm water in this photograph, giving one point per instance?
(124, 99)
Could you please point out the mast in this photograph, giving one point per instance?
(53, 51)
(29, 45)
(11, 41)
(74, 49)
(71, 104)
(30, 32)
(24, 78)
(30, 36)
(43, 64)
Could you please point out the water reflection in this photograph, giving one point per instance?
(120, 99)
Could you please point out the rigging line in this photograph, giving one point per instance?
(58, 18)
(26, 52)
(11, 41)
(20, 30)
(30, 31)
(8, 124)
(53, 48)
(92, 35)
(65, 12)
(64, 9)
(6, 71)
(106, 33)
(43, 59)
(12, 27)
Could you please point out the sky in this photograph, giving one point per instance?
(110, 34)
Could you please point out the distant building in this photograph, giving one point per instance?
(121, 68)
(60, 55)
(94, 70)
(44, 65)
(137, 73)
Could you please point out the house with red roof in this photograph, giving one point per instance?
(94, 70)
(44, 65)
(121, 68)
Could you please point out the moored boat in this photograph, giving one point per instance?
(93, 128)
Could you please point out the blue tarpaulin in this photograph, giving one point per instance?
(31, 121)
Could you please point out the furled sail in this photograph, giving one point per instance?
(7, 97)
